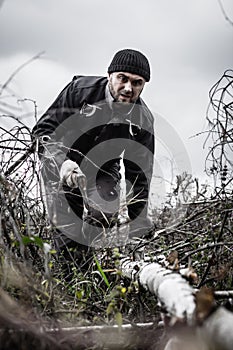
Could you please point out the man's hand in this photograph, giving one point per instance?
(71, 174)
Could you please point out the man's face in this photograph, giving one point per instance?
(125, 87)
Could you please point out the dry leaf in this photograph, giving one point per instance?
(205, 303)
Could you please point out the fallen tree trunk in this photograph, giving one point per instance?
(174, 293)
(214, 334)
(179, 301)
(217, 329)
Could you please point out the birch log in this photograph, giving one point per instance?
(178, 299)
(218, 328)
(174, 293)
(216, 333)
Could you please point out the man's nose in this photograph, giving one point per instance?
(128, 86)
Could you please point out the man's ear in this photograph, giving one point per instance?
(108, 76)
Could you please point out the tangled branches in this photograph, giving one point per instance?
(203, 239)
(219, 161)
(23, 217)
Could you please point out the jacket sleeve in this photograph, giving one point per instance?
(61, 108)
(138, 171)
(47, 133)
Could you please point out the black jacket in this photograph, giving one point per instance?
(81, 126)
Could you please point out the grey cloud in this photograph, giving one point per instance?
(188, 43)
(81, 34)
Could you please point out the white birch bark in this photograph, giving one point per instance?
(216, 333)
(173, 292)
(218, 329)
(178, 299)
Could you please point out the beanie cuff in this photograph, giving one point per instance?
(129, 69)
(130, 61)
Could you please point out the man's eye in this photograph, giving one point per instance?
(137, 83)
(122, 78)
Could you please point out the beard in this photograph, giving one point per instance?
(117, 95)
(121, 106)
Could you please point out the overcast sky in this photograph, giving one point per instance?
(188, 43)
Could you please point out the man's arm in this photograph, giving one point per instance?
(48, 133)
(61, 108)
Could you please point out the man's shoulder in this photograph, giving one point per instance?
(88, 81)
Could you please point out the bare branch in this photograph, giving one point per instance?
(19, 69)
(224, 13)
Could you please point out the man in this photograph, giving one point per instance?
(82, 136)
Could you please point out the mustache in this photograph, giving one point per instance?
(126, 93)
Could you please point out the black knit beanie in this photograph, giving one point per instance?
(130, 61)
